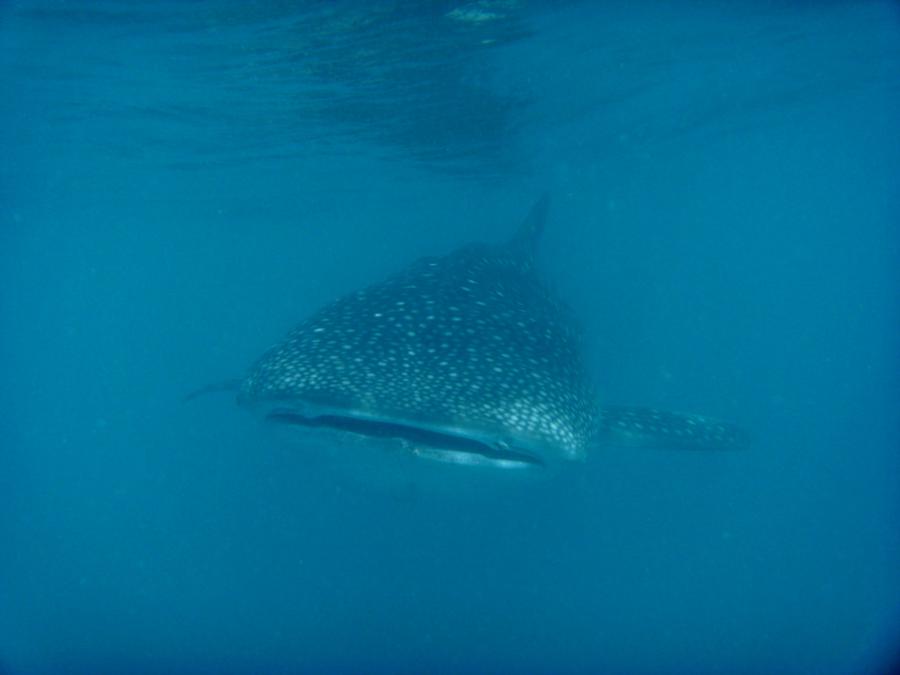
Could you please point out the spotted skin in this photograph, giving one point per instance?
(469, 346)
(471, 342)
(636, 426)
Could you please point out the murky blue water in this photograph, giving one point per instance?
(180, 183)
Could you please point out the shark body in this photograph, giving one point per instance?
(467, 358)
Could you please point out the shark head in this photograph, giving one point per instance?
(467, 359)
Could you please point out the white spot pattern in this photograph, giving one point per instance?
(472, 340)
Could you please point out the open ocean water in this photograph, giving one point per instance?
(182, 182)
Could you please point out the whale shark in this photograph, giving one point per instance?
(469, 358)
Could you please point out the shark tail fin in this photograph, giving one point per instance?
(526, 238)
(649, 427)
(227, 385)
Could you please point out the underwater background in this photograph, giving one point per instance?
(181, 182)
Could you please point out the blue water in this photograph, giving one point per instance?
(182, 182)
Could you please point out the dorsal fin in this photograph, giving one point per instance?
(525, 241)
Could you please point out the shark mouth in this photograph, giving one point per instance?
(430, 443)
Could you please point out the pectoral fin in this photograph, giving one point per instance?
(227, 386)
(649, 427)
